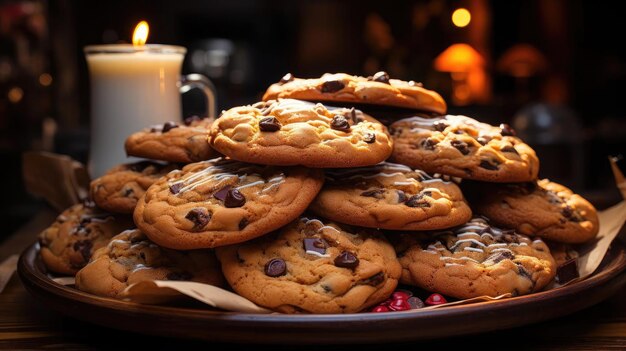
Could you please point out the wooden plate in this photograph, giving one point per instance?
(199, 323)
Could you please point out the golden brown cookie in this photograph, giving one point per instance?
(475, 259)
(131, 257)
(120, 188)
(463, 147)
(313, 267)
(344, 88)
(391, 196)
(543, 208)
(222, 202)
(291, 132)
(67, 245)
(173, 142)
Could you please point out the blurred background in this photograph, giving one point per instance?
(547, 67)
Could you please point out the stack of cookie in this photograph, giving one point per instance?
(306, 212)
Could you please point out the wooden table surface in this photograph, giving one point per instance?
(27, 324)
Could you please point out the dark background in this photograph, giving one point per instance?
(568, 104)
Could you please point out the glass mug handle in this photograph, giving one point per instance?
(195, 80)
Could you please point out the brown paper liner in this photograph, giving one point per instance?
(58, 179)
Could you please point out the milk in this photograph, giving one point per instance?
(130, 90)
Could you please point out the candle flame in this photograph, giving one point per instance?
(140, 35)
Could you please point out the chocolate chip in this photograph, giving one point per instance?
(340, 123)
(175, 188)
(500, 256)
(243, 223)
(199, 216)
(374, 280)
(346, 259)
(355, 118)
(269, 124)
(440, 126)
(234, 199)
(567, 271)
(239, 258)
(381, 77)
(567, 211)
(401, 196)
(84, 247)
(84, 221)
(428, 144)
(153, 129)
(332, 86)
(522, 272)
(571, 214)
(375, 193)
(417, 201)
(221, 194)
(506, 130)
(369, 138)
(461, 146)
(275, 267)
(286, 78)
(169, 126)
(192, 119)
(318, 245)
(489, 165)
(127, 191)
(179, 276)
(510, 149)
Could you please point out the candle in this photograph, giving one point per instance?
(132, 87)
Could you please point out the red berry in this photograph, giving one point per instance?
(400, 295)
(408, 292)
(415, 303)
(386, 302)
(380, 308)
(399, 305)
(435, 299)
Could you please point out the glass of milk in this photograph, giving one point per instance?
(134, 87)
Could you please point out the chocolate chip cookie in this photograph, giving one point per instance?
(313, 266)
(291, 132)
(120, 188)
(131, 257)
(67, 245)
(221, 202)
(475, 259)
(463, 147)
(173, 142)
(543, 208)
(378, 89)
(391, 196)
